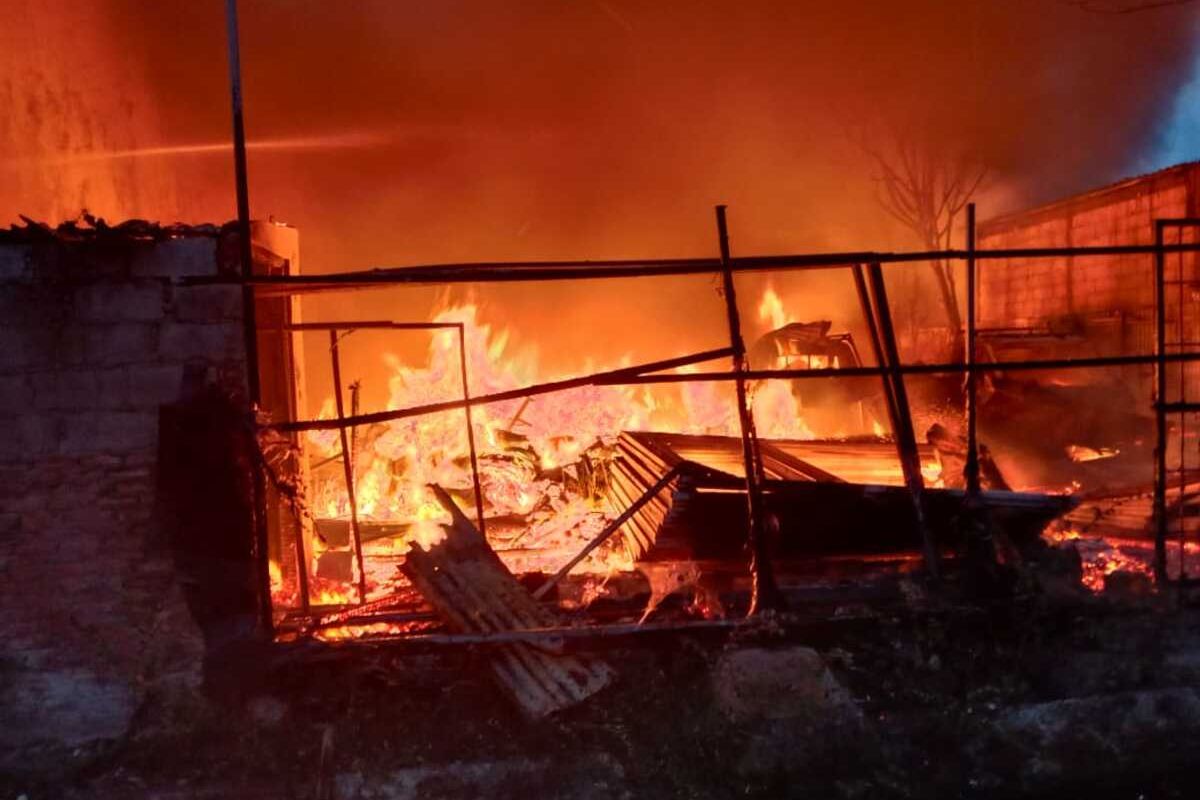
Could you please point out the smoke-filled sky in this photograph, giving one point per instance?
(571, 127)
(489, 129)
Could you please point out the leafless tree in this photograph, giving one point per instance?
(926, 189)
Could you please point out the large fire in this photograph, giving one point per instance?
(532, 457)
(525, 448)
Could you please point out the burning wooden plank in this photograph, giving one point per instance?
(462, 577)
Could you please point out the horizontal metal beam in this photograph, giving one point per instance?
(635, 375)
(351, 325)
(500, 271)
(616, 376)
(911, 369)
(550, 635)
(1179, 408)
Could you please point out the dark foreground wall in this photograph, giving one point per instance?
(96, 333)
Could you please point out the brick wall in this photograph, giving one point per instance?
(95, 334)
(1043, 292)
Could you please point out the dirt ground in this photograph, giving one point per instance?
(1055, 693)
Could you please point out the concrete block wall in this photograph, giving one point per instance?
(95, 335)
(1037, 292)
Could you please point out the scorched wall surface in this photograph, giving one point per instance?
(95, 335)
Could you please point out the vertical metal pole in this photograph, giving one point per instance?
(245, 249)
(906, 441)
(864, 300)
(347, 464)
(302, 567)
(1181, 337)
(462, 361)
(249, 323)
(972, 466)
(1160, 412)
(354, 408)
(764, 593)
(1186, 340)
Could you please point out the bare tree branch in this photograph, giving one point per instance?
(924, 190)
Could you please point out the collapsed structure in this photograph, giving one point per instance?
(1138, 441)
(485, 505)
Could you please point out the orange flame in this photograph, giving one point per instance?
(518, 442)
(771, 310)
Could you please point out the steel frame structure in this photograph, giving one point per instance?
(1162, 405)
(872, 294)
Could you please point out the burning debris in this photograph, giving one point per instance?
(545, 463)
(941, 491)
(621, 494)
(815, 512)
(594, 484)
(462, 577)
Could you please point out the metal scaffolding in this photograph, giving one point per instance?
(866, 271)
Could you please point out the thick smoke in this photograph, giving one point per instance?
(591, 128)
(599, 127)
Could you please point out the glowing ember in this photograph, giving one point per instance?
(329, 595)
(1102, 557)
(345, 632)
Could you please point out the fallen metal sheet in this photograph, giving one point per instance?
(1129, 513)
(701, 514)
(464, 580)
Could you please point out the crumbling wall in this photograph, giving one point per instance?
(96, 333)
